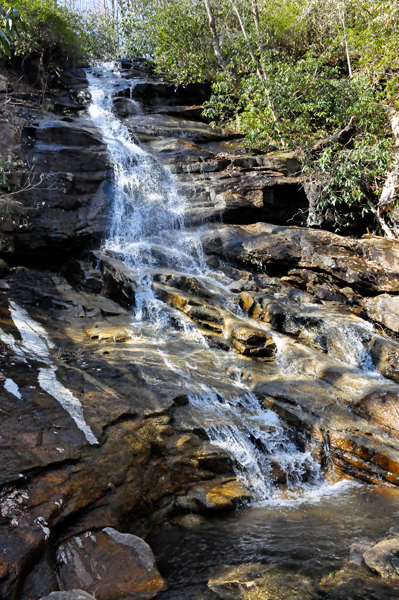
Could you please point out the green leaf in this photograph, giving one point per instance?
(5, 43)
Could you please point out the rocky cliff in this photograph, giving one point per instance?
(98, 433)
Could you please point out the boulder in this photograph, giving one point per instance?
(384, 558)
(384, 309)
(70, 595)
(358, 547)
(71, 101)
(126, 107)
(369, 264)
(215, 496)
(109, 565)
(73, 79)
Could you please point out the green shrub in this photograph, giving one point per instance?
(51, 32)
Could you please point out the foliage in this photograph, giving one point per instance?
(352, 179)
(10, 25)
(51, 31)
(310, 98)
(100, 38)
(177, 36)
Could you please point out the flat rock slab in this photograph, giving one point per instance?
(168, 126)
(215, 495)
(261, 582)
(384, 558)
(110, 565)
(370, 263)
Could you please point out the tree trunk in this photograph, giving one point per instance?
(215, 38)
(390, 191)
(255, 12)
(259, 71)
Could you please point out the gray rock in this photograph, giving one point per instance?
(70, 595)
(385, 310)
(384, 558)
(358, 548)
(369, 263)
(166, 125)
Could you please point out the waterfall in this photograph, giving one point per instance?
(147, 232)
(256, 441)
(147, 218)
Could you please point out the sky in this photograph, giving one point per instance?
(86, 4)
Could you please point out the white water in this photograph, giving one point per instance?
(35, 345)
(255, 440)
(147, 219)
(147, 232)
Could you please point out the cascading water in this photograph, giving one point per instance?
(147, 218)
(256, 441)
(148, 234)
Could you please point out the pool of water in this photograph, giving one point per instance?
(311, 536)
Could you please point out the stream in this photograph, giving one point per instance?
(306, 525)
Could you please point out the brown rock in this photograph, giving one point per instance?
(215, 496)
(258, 582)
(110, 565)
(107, 333)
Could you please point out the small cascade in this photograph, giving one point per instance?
(258, 444)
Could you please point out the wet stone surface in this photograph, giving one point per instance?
(177, 373)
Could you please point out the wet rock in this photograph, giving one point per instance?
(118, 281)
(253, 342)
(356, 583)
(215, 189)
(369, 263)
(66, 206)
(384, 558)
(73, 79)
(110, 565)
(142, 467)
(193, 113)
(107, 333)
(178, 151)
(222, 495)
(190, 521)
(385, 356)
(357, 550)
(81, 273)
(382, 408)
(73, 100)
(264, 308)
(166, 125)
(71, 595)
(125, 107)
(156, 93)
(253, 581)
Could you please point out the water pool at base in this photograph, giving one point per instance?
(311, 538)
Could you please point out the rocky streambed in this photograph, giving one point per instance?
(176, 344)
